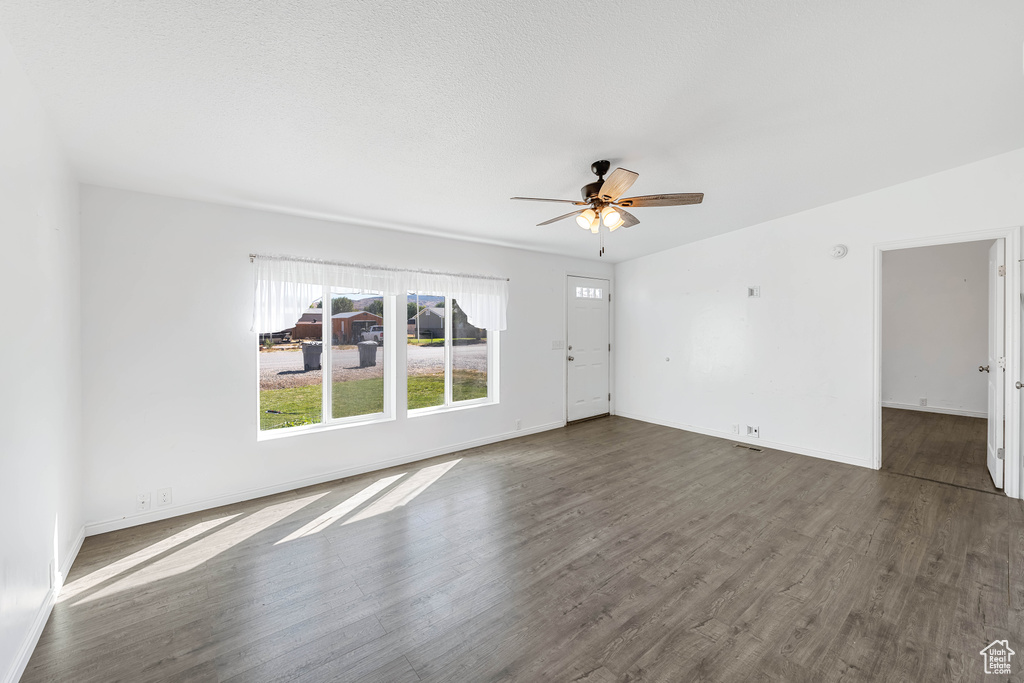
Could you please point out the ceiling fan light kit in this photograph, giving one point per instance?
(602, 197)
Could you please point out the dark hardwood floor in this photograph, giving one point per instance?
(944, 448)
(611, 550)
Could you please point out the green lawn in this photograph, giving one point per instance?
(302, 405)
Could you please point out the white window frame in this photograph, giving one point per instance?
(327, 421)
(492, 367)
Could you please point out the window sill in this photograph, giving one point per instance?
(462, 405)
(271, 434)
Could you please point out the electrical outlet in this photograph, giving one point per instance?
(924, 401)
(519, 425)
(753, 431)
(142, 502)
(735, 429)
(163, 496)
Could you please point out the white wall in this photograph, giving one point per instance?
(170, 365)
(40, 405)
(798, 362)
(935, 327)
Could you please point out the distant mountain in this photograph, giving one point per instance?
(427, 299)
(424, 299)
(361, 304)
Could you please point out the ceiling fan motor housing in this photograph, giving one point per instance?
(591, 190)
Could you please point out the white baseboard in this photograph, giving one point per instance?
(934, 409)
(39, 623)
(69, 560)
(761, 443)
(93, 528)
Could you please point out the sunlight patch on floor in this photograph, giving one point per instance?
(405, 492)
(341, 509)
(89, 581)
(205, 549)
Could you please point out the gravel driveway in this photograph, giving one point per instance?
(283, 369)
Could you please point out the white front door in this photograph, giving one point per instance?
(587, 348)
(996, 361)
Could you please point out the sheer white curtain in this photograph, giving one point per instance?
(284, 291)
(285, 287)
(483, 300)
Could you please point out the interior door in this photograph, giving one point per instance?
(996, 361)
(587, 348)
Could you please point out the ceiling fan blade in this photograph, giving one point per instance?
(538, 199)
(568, 215)
(628, 219)
(663, 199)
(618, 182)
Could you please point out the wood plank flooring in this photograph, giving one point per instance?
(945, 448)
(611, 550)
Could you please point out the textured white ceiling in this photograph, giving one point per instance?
(430, 115)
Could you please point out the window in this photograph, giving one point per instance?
(291, 393)
(326, 341)
(301, 385)
(425, 351)
(448, 360)
(359, 346)
(589, 292)
(469, 358)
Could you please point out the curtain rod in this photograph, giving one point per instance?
(253, 257)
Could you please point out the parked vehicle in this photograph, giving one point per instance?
(374, 333)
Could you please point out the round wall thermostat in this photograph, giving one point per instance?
(839, 251)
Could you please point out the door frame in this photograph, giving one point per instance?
(565, 341)
(1012, 466)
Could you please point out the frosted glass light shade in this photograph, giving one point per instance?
(610, 217)
(587, 219)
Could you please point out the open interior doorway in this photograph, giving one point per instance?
(943, 363)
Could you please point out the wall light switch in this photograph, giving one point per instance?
(754, 292)
(556, 345)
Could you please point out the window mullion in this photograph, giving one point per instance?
(448, 350)
(325, 355)
(389, 349)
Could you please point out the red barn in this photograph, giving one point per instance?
(346, 327)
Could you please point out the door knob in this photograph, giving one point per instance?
(982, 368)
(571, 358)
(1019, 385)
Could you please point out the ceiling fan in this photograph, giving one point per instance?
(604, 206)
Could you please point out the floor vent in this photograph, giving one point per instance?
(748, 448)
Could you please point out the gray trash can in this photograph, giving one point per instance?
(367, 353)
(311, 354)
